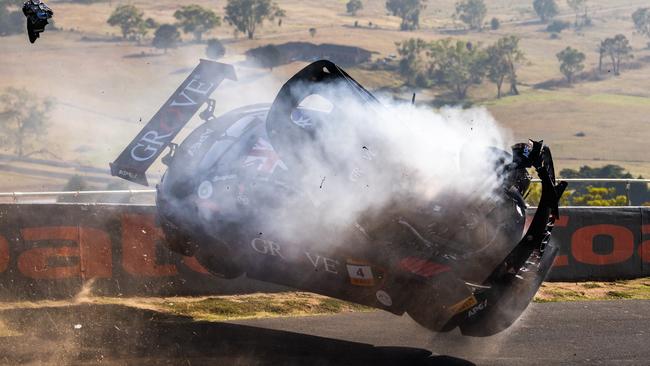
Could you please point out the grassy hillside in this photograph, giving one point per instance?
(106, 91)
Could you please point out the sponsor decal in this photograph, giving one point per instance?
(368, 154)
(242, 198)
(301, 119)
(384, 298)
(205, 190)
(221, 178)
(327, 264)
(264, 157)
(266, 247)
(355, 174)
(463, 305)
(195, 86)
(360, 274)
(197, 145)
(477, 308)
(148, 145)
(422, 267)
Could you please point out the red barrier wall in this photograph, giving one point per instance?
(51, 250)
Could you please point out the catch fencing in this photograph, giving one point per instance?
(54, 250)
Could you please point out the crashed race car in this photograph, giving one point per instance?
(37, 13)
(449, 262)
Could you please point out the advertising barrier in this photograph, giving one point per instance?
(55, 250)
(602, 243)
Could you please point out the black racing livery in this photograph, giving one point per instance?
(447, 268)
(37, 13)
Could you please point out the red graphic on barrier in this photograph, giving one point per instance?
(583, 249)
(561, 260)
(87, 248)
(194, 265)
(4, 254)
(644, 249)
(96, 260)
(139, 239)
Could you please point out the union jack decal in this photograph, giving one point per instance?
(264, 156)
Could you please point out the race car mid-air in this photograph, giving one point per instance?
(234, 185)
(37, 13)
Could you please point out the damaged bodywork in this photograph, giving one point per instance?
(474, 268)
(37, 13)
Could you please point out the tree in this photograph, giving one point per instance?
(457, 65)
(580, 8)
(144, 27)
(129, 19)
(502, 60)
(269, 56)
(471, 12)
(197, 20)
(24, 118)
(571, 62)
(166, 36)
(600, 196)
(545, 9)
(618, 49)
(312, 32)
(215, 50)
(602, 48)
(641, 18)
(495, 24)
(411, 64)
(353, 6)
(408, 11)
(247, 15)
(557, 26)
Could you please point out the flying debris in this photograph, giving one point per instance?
(449, 261)
(37, 13)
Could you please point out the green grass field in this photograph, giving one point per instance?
(104, 94)
(289, 304)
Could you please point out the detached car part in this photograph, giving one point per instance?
(37, 13)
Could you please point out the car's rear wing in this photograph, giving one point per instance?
(145, 148)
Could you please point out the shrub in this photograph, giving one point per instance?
(215, 49)
(557, 26)
(495, 24)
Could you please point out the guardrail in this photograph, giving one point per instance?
(133, 192)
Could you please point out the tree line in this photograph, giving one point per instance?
(246, 16)
(598, 194)
(458, 65)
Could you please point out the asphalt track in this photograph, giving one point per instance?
(608, 332)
